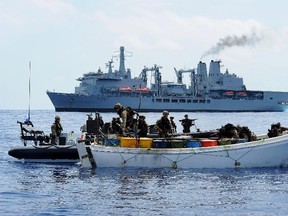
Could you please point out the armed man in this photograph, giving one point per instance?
(142, 127)
(56, 130)
(163, 125)
(187, 123)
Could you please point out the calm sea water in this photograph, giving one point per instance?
(59, 189)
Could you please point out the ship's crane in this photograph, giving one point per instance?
(179, 74)
(157, 76)
(157, 73)
(193, 84)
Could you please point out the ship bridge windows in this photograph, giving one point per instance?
(283, 102)
(182, 101)
(201, 101)
(167, 100)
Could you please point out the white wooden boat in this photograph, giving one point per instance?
(265, 152)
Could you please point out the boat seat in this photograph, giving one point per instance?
(25, 137)
(30, 133)
(32, 130)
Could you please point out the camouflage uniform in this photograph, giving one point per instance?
(142, 127)
(186, 123)
(163, 125)
(56, 129)
(126, 116)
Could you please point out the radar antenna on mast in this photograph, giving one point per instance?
(110, 66)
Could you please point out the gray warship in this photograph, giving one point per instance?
(207, 91)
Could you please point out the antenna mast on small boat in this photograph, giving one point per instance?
(29, 91)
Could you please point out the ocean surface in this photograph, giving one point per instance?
(61, 189)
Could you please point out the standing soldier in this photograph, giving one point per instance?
(142, 127)
(163, 125)
(56, 129)
(187, 123)
(99, 120)
(174, 127)
(116, 126)
(83, 128)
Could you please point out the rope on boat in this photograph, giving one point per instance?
(124, 161)
(193, 153)
(45, 147)
(70, 146)
(173, 164)
(50, 146)
(250, 149)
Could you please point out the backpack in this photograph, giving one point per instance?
(130, 114)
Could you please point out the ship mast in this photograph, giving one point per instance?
(143, 75)
(158, 79)
(122, 70)
(109, 65)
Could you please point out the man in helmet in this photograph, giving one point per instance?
(56, 129)
(174, 126)
(127, 116)
(187, 123)
(163, 125)
(142, 127)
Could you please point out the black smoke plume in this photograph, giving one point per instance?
(230, 41)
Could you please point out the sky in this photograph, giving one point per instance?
(62, 39)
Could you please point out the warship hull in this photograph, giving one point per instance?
(70, 102)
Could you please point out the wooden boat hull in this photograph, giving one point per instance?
(272, 152)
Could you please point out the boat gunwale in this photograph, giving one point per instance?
(262, 142)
